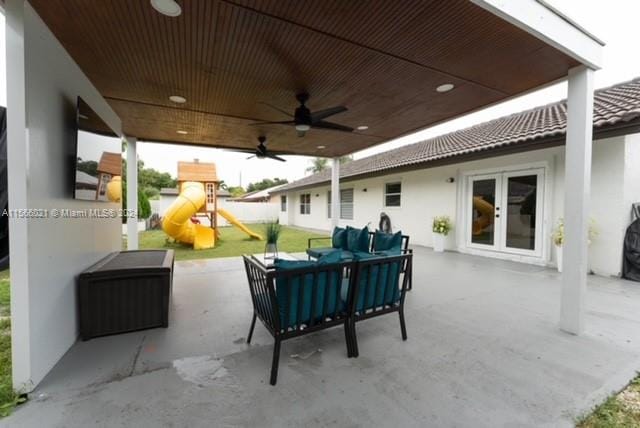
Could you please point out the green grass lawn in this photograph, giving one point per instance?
(620, 410)
(8, 398)
(232, 242)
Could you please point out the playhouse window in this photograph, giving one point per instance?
(283, 203)
(106, 178)
(211, 193)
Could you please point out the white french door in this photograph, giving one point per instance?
(504, 212)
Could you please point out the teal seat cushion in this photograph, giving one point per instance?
(386, 241)
(317, 253)
(358, 239)
(295, 293)
(339, 238)
(378, 284)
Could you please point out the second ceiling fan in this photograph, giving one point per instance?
(261, 151)
(304, 119)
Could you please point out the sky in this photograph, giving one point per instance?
(613, 21)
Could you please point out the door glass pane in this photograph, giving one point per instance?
(483, 206)
(521, 212)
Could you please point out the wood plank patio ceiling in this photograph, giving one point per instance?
(382, 59)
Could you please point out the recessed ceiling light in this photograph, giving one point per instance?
(322, 147)
(178, 99)
(182, 132)
(362, 128)
(445, 87)
(167, 7)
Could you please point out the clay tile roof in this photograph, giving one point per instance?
(197, 171)
(111, 163)
(616, 105)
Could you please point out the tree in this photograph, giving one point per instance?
(90, 167)
(236, 191)
(150, 180)
(345, 159)
(321, 164)
(318, 165)
(144, 207)
(266, 183)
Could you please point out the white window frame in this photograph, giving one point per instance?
(342, 203)
(385, 194)
(283, 203)
(304, 204)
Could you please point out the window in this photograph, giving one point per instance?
(392, 192)
(211, 193)
(346, 204)
(305, 203)
(283, 203)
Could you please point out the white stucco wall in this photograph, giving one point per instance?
(47, 254)
(426, 194)
(632, 172)
(246, 212)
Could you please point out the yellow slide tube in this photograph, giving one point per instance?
(487, 212)
(237, 223)
(177, 219)
(114, 189)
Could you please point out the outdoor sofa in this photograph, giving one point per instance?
(294, 298)
(365, 242)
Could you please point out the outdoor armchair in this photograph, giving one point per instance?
(292, 301)
(379, 287)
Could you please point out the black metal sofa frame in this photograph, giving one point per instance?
(263, 282)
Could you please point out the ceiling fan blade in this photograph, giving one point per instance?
(274, 157)
(329, 125)
(285, 122)
(276, 108)
(322, 114)
(252, 151)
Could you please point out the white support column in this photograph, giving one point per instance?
(335, 193)
(132, 193)
(17, 175)
(577, 188)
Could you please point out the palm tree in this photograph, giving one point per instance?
(345, 159)
(318, 165)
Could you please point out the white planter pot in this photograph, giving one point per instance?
(559, 258)
(438, 242)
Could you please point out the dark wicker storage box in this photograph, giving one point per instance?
(125, 291)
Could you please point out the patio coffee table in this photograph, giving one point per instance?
(268, 262)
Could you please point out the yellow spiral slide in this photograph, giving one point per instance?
(177, 220)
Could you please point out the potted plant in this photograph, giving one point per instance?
(272, 232)
(441, 228)
(558, 238)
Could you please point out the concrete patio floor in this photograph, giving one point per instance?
(483, 350)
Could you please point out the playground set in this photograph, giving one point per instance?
(198, 184)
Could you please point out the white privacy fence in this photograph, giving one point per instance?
(246, 212)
